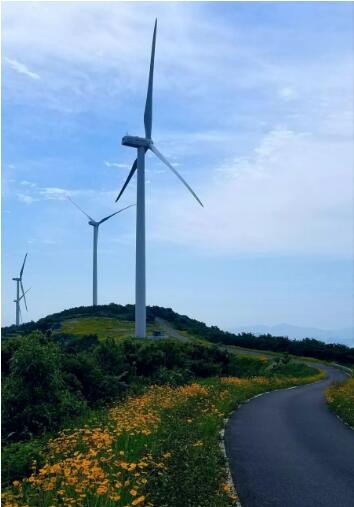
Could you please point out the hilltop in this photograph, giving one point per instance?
(117, 321)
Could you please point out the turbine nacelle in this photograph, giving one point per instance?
(93, 222)
(137, 142)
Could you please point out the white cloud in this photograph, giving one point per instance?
(35, 193)
(288, 93)
(54, 193)
(21, 68)
(28, 183)
(107, 163)
(293, 194)
(89, 63)
(25, 198)
(292, 191)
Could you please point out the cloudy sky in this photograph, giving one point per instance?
(253, 103)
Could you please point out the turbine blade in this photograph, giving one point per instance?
(130, 175)
(23, 266)
(170, 166)
(21, 319)
(23, 295)
(82, 211)
(148, 104)
(109, 216)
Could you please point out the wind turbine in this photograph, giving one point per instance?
(143, 144)
(95, 226)
(19, 285)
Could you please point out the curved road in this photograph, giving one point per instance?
(285, 449)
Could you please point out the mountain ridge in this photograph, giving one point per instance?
(344, 336)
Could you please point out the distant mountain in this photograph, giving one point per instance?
(344, 335)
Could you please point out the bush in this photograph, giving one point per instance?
(47, 381)
(35, 396)
(340, 398)
(85, 375)
(289, 369)
(174, 378)
(73, 343)
(17, 460)
(8, 348)
(247, 366)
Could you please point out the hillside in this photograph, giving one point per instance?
(117, 321)
(93, 416)
(104, 419)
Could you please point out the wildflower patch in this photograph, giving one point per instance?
(160, 448)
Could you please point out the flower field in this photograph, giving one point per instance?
(159, 448)
(340, 399)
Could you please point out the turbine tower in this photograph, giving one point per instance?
(143, 144)
(19, 286)
(95, 226)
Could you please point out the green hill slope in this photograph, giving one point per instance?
(117, 321)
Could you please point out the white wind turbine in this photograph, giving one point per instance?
(143, 144)
(95, 226)
(19, 285)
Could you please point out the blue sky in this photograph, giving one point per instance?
(253, 103)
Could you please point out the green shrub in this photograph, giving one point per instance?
(35, 397)
(246, 366)
(175, 377)
(289, 369)
(49, 380)
(89, 380)
(8, 348)
(17, 459)
(340, 399)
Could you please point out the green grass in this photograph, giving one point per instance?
(340, 399)
(260, 354)
(103, 327)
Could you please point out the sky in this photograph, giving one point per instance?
(253, 104)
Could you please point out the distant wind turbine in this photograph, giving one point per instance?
(19, 285)
(95, 226)
(143, 144)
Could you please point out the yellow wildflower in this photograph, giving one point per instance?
(138, 500)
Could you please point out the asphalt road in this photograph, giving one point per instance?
(285, 449)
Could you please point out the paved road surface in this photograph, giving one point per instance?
(170, 331)
(286, 449)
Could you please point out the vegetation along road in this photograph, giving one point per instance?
(287, 449)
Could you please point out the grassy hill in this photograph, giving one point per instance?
(102, 327)
(117, 321)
